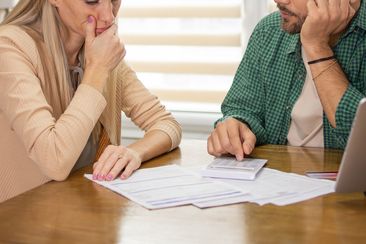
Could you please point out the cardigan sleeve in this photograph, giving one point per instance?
(53, 144)
(145, 109)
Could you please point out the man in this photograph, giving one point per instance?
(300, 80)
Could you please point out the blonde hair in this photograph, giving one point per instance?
(30, 13)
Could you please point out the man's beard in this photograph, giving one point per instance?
(291, 28)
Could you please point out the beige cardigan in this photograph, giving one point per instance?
(37, 145)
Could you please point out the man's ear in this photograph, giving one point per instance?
(355, 4)
(54, 3)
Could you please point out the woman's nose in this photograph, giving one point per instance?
(106, 13)
(282, 1)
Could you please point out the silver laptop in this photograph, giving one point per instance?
(352, 172)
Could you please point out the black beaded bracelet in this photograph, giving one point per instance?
(321, 60)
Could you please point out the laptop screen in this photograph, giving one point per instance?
(352, 172)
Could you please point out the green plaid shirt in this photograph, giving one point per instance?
(271, 76)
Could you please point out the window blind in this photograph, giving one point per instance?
(5, 6)
(184, 50)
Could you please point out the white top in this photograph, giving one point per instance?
(306, 127)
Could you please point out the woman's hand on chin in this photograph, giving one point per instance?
(102, 54)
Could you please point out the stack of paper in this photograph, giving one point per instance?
(173, 185)
(273, 186)
(167, 186)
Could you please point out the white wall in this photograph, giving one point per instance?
(195, 123)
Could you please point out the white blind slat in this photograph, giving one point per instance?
(181, 11)
(6, 4)
(182, 39)
(205, 38)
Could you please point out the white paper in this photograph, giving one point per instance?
(276, 187)
(173, 185)
(167, 186)
(220, 201)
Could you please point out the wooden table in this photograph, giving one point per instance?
(79, 211)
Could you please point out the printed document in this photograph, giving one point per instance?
(273, 186)
(167, 186)
(173, 185)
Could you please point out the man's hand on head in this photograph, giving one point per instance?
(325, 20)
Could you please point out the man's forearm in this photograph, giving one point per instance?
(330, 81)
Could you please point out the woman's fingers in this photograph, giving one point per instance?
(98, 166)
(130, 168)
(133, 164)
(117, 168)
(112, 162)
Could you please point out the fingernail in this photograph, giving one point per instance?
(123, 177)
(95, 177)
(109, 177)
(90, 19)
(100, 177)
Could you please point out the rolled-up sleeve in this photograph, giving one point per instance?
(345, 114)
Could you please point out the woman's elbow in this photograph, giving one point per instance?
(57, 174)
(54, 164)
(54, 168)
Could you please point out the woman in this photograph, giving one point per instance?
(63, 84)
